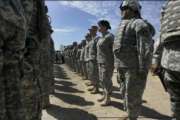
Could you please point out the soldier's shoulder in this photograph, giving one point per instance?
(110, 36)
(139, 24)
(142, 25)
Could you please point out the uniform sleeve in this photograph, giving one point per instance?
(144, 43)
(109, 40)
(94, 49)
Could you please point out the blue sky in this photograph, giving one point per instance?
(71, 19)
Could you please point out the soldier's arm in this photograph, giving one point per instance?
(156, 60)
(144, 43)
(108, 40)
(94, 51)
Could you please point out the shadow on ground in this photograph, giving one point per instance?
(67, 89)
(145, 112)
(59, 72)
(69, 113)
(73, 99)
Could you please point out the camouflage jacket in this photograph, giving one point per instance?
(105, 49)
(92, 48)
(15, 12)
(82, 54)
(133, 44)
(167, 53)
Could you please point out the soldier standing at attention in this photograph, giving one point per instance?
(82, 62)
(74, 59)
(92, 62)
(133, 48)
(83, 43)
(167, 54)
(105, 60)
(86, 56)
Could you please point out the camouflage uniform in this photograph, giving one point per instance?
(51, 65)
(13, 29)
(92, 61)
(45, 62)
(82, 60)
(73, 57)
(132, 49)
(86, 58)
(105, 60)
(78, 59)
(167, 53)
(31, 78)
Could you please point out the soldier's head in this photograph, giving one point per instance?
(130, 9)
(88, 37)
(46, 9)
(79, 45)
(104, 25)
(75, 44)
(93, 30)
(83, 43)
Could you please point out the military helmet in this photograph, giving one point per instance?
(133, 4)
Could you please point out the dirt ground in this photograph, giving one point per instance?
(72, 101)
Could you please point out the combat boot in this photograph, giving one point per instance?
(107, 100)
(102, 97)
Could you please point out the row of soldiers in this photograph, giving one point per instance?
(26, 59)
(131, 53)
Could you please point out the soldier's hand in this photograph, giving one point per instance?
(154, 68)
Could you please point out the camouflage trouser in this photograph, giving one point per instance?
(121, 81)
(93, 72)
(87, 69)
(105, 77)
(51, 77)
(84, 69)
(45, 77)
(31, 84)
(81, 68)
(78, 66)
(74, 65)
(172, 80)
(134, 88)
(12, 42)
(31, 93)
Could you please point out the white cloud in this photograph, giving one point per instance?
(65, 30)
(100, 9)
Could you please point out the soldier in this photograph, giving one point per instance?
(92, 62)
(133, 49)
(167, 54)
(51, 64)
(31, 79)
(73, 55)
(82, 60)
(86, 55)
(105, 60)
(46, 66)
(14, 18)
(78, 58)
